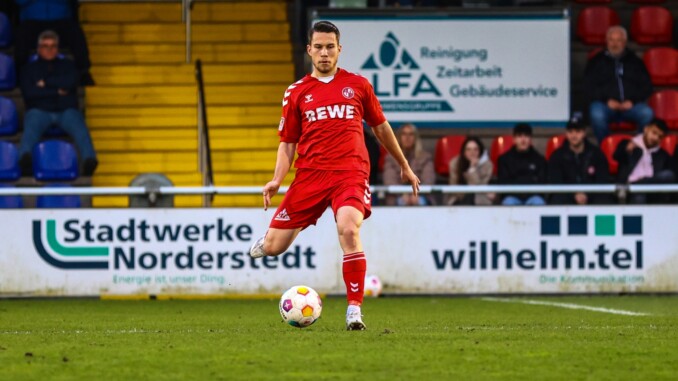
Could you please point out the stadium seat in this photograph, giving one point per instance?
(662, 64)
(447, 148)
(7, 72)
(593, 1)
(651, 25)
(58, 201)
(55, 160)
(499, 146)
(9, 121)
(553, 144)
(608, 146)
(13, 201)
(645, 1)
(593, 52)
(593, 22)
(9, 162)
(669, 143)
(622, 126)
(665, 106)
(5, 31)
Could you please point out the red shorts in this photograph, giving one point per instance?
(312, 191)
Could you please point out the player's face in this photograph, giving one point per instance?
(324, 51)
(575, 137)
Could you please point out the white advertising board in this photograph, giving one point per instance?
(413, 250)
(478, 71)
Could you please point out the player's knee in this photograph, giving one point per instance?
(348, 232)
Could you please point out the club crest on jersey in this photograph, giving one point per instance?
(347, 92)
(281, 124)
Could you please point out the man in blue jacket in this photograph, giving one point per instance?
(60, 16)
(49, 87)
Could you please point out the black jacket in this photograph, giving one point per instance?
(600, 78)
(521, 168)
(57, 74)
(661, 160)
(588, 167)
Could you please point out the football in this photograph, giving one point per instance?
(300, 306)
(372, 286)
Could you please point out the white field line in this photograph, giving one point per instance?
(571, 306)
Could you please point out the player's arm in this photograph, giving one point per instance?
(283, 164)
(387, 138)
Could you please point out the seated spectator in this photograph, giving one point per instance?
(522, 165)
(472, 167)
(643, 161)
(420, 161)
(61, 16)
(617, 85)
(578, 161)
(49, 88)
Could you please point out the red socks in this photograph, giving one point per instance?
(354, 277)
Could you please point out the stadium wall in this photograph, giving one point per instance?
(413, 250)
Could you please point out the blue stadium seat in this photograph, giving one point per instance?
(7, 72)
(5, 31)
(55, 160)
(9, 121)
(14, 201)
(58, 201)
(9, 158)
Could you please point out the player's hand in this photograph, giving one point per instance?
(270, 190)
(408, 176)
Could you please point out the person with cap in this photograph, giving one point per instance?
(522, 165)
(642, 161)
(578, 161)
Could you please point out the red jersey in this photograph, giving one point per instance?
(326, 121)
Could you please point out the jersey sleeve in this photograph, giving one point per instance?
(289, 128)
(373, 114)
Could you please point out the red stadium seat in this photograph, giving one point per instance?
(651, 25)
(665, 106)
(669, 143)
(593, 22)
(553, 144)
(500, 145)
(593, 52)
(662, 64)
(447, 148)
(608, 146)
(593, 1)
(645, 1)
(622, 126)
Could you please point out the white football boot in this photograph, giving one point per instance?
(354, 319)
(257, 248)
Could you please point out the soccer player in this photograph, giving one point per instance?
(322, 116)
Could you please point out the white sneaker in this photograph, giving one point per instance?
(257, 248)
(354, 319)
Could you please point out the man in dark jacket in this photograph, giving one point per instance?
(643, 161)
(522, 165)
(578, 161)
(618, 85)
(49, 87)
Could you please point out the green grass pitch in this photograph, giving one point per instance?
(408, 338)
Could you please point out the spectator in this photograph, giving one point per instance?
(643, 161)
(472, 167)
(420, 161)
(49, 87)
(522, 165)
(617, 84)
(578, 161)
(61, 16)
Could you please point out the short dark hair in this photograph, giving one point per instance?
(522, 129)
(323, 27)
(659, 123)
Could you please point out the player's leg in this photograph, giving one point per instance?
(349, 220)
(274, 242)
